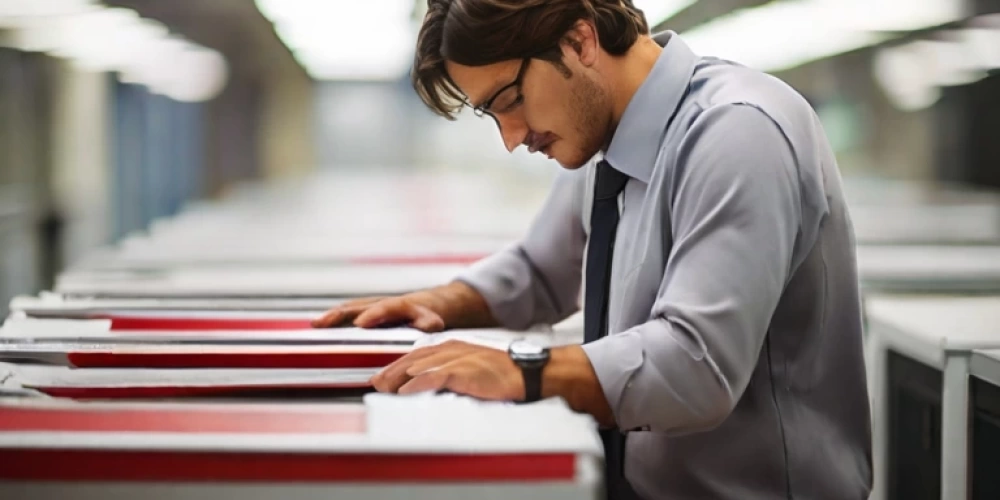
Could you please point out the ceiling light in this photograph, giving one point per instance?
(891, 15)
(99, 39)
(15, 12)
(372, 40)
(777, 36)
(204, 75)
(906, 77)
(983, 46)
(787, 33)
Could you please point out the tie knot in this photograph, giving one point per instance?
(609, 182)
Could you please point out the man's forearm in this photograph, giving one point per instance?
(570, 375)
(459, 305)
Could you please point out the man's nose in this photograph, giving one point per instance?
(513, 131)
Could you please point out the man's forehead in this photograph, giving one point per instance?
(479, 83)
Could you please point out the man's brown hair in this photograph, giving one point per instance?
(482, 32)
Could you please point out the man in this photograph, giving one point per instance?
(701, 211)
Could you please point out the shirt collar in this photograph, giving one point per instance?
(636, 141)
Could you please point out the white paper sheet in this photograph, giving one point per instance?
(271, 282)
(41, 377)
(100, 331)
(48, 303)
(27, 328)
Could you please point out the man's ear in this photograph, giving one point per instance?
(581, 43)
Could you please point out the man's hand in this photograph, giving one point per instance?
(482, 372)
(455, 305)
(488, 373)
(372, 312)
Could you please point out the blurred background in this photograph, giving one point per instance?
(117, 113)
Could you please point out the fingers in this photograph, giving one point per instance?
(433, 380)
(389, 379)
(458, 375)
(340, 314)
(392, 377)
(344, 312)
(400, 310)
(477, 371)
(427, 320)
(386, 311)
(371, 312)
(450, 350)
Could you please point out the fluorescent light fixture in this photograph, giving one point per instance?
(983, 45)
(178, 69)
(373, 39)
(788, 33)
(776, 36)
(905, 77)
(13, 13)
(949, 62)
(891, 15)
(657, 11)
(188, 72)
(912, 74)
(370, 40)
(99, 39)
(105, 39)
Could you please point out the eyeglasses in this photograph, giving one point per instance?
(506, 99)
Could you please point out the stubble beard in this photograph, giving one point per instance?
(589, 105)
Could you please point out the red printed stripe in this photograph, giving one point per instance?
(232, 360)
(181, 391)
(126, 323)
(126, 466)
(187, 420)
(458, 259)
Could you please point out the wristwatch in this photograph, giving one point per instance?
(531, 358)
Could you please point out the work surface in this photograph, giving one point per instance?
(948, 322)
(192, 340)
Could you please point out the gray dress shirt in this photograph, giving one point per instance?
(735, 349)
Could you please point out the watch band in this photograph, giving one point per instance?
(532, 382)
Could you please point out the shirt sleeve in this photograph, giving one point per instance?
(538, 279)
(735, 216)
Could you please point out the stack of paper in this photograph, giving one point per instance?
(106, 383)
(48, 304)
(171, 450)
(92, 343)
(202, 320)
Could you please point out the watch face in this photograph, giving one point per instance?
(527, 350)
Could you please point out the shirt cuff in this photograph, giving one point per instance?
(615, 359)
(504, 281)
(654, 383)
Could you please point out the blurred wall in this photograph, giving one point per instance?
(86, 159)
(954, 140)
(288, 125)
(870, 135)
(81, 193)
(967, 146)
(157, 158)
(385, 125)
(232, 140)
(26, 226)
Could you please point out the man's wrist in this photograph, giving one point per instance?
(570, 376)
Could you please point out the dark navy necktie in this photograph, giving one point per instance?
(608, 184)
